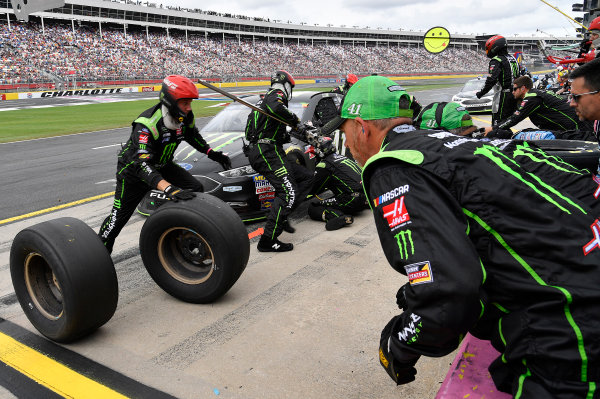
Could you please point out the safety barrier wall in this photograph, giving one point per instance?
(151, 88)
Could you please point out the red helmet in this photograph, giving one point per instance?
(351, 79)
(494, 44)
(286, 80)
(175, 88)
(595, 25)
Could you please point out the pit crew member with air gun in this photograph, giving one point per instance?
(266, 133)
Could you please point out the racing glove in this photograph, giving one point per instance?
(402, 372)
(479, 94)
(401, 297)
(175, 193)
(299, 131)
(221, 158)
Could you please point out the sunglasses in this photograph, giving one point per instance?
(575, 97)
(516, 88)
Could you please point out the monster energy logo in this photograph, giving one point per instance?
(404, 240)
(280, 172)
(168, 152)
(117, 203)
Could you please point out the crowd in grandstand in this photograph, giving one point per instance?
(31, 53)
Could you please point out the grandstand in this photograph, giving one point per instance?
(102, 42)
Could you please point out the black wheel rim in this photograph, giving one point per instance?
(186, 255)
(43, 287)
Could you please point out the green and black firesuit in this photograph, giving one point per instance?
(146, 159)
(546, 110)
(496, 239)
(342, 176)
(503, 69)
(267, 136)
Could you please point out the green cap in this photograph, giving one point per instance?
(371, 98)
(375, 97)
(443, 116)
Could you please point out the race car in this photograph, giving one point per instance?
(466, 97)
(249, 193)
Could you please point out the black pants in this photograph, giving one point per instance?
(291, 181)
(130, 191)
(507, 104)
(338, 205)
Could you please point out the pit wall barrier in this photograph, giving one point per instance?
(151, 88)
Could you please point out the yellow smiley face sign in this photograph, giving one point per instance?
(436, 39)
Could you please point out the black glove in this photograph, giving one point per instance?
(400, 372)
(299, 131)
(479, 94)
(175, 193)
(221, 158)
(401, 297)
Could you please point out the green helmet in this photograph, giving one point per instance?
(446, 116)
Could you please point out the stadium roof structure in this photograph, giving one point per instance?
(137, 13)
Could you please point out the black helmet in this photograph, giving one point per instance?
(494, 45)
(286, 80)
(175, 88)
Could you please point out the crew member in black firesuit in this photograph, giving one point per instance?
(503, 68)
(146, 160)
(267, 156)
(545, 110)
(343, 89)
(342, 176)
(496, 239)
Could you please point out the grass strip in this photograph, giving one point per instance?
(26, 124)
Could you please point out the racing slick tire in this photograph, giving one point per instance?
(64, 278)
(295, 154)
(581, 154)
(195, 250)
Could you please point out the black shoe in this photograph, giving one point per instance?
(288, 228)
(339, 222)
(268, 245)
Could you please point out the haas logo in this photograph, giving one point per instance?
(396, 213)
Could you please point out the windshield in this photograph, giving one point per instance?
(473, 85)
(233, 118)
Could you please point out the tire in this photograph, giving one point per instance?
(64, 278)
(581, 154)
(195, 250)
(295, 154)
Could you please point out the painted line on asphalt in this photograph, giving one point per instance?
(481, 120)
(37, 368)
(106, 146)
(49, 373)
(56, 208)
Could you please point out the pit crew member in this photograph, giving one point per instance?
(146, 161)
(267, 156)
(496, 239)
(503, 69)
